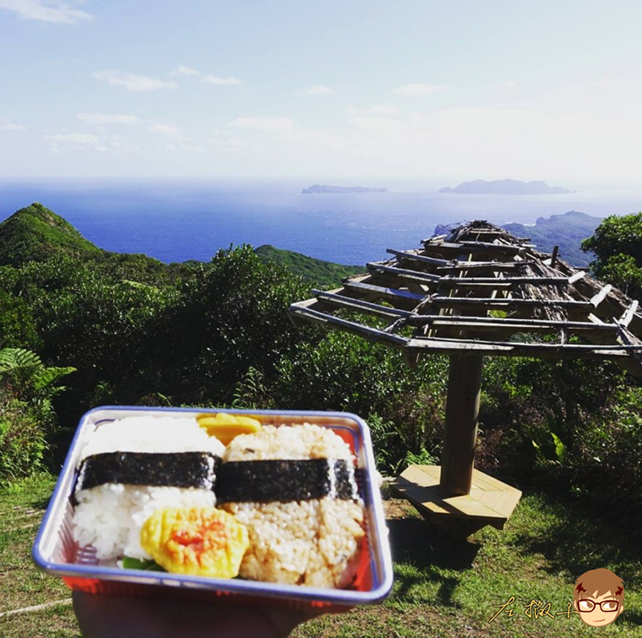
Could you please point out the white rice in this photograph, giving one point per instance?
(151, 434)
(109, 517)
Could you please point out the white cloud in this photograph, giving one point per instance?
(66, 141)
(82, 139)
(483, 141)
(132, 82)
(273, 124)
(228, 140)
(192, 148)
(414, 90)
(123, 145)
(6, 125)
(185, 70)
(286, 129)
(317, 89)
(213, 79)
(106, 118)
(164, 129)
(75, 142)
(235, 144)
(378, 109)
(53, 11)
(494, 141)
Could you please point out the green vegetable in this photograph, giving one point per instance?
(146, 565)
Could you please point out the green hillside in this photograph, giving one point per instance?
(36, 233)
(315, 271)
(566, 231)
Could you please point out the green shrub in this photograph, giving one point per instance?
(608, 459)
(573, 425)
(342, 372)
(22, 440)
(17, 327)
(393, 453)
(230, 316)
(27, 418)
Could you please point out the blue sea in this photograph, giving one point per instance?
(176, 220)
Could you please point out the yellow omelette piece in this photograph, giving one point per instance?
(200, 541)
(226, 426)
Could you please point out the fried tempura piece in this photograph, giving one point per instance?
(200, 541)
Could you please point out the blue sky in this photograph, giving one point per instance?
(407, 90)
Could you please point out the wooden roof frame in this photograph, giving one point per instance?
(467, 294)
(444, 291)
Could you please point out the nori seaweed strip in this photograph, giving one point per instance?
(285, 480)
(166, 469)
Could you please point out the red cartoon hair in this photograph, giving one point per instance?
(596, 583)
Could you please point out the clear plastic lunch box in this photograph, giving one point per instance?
(56, 552)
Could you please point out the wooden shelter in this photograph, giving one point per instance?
(477, 291)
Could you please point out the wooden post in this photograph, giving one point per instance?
(462, 410)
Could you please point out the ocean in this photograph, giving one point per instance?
(177, 220)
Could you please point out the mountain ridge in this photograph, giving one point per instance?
(31, 233)
(566, 230)
(505, 187)
(329, 188)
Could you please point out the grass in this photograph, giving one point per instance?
(22, 506)
(451, 589)
(442, 588)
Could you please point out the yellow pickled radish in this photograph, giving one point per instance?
(226, 426)
(200, 541)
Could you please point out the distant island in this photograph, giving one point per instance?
(566, 231)
(505, 187)
(326, 188)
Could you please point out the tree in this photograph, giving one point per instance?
(229, 316)
(617, 246)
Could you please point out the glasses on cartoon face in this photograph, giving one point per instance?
(605, 605)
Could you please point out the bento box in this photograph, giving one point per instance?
(56, 552)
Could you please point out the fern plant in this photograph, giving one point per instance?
(30, 376)
(27, 417)
(18, 358)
